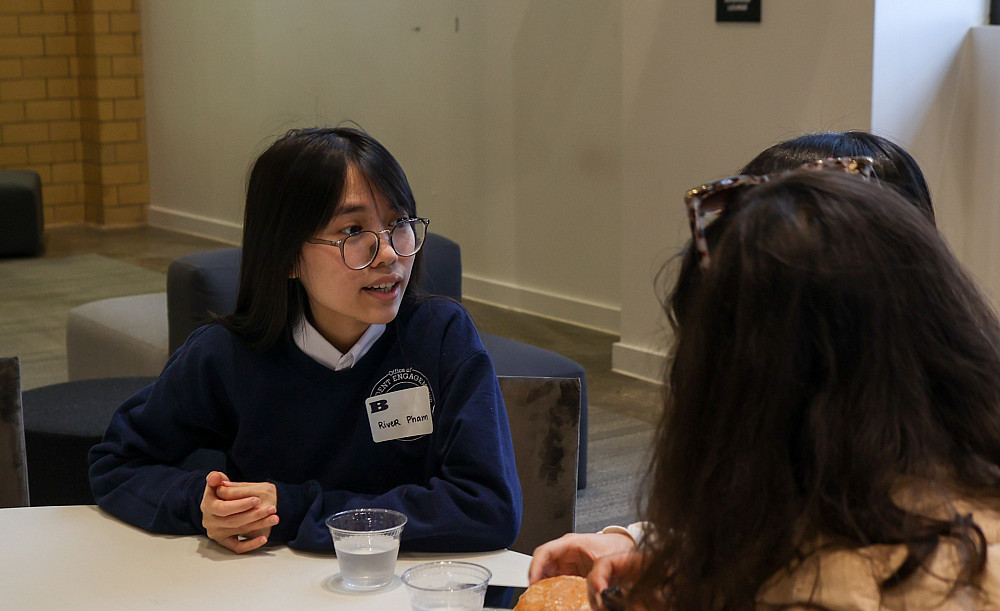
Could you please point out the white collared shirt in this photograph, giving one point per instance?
(309, 340)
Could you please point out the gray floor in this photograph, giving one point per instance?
(622, 409)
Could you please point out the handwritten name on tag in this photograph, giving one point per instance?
(401, 413)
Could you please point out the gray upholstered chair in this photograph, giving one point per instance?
(13, 462)
(544, 416)
(207, 283)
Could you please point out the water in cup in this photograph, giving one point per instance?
(455, 600)
(447, 584)
(366, 542)
(367, 561)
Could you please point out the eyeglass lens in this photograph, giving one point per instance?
(406, 238)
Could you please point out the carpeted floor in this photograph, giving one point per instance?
(618, 459)
(37, 294)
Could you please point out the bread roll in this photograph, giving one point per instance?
(562, 593)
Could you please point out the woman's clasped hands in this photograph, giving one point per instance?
(238, 515)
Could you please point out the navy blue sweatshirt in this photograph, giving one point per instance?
(281, 417)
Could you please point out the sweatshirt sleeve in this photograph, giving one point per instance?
(136, 473)
(471, 503)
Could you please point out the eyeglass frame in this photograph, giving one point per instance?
(693, 198)
(340, 243)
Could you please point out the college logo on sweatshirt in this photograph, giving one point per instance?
(401, 406)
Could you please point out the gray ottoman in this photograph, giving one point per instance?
(21, 211)
(120, 336)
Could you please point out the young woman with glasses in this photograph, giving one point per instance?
(330, 387)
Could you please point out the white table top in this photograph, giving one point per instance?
(82, 558)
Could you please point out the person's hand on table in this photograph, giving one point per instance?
(238, 515)
(575, 553)
(612, 572)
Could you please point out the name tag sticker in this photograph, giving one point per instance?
(401, 413)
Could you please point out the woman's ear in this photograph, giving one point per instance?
(293, 273)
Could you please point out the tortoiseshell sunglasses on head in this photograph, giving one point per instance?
(712, 199)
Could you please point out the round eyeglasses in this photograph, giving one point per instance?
(360, 249)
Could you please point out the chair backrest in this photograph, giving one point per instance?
(206, 283)
(544, 416)
(441, 268)
(200, 285)
(13, 459)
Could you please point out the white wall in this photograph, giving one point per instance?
(700, 100)
(922, 98)
(505, 116)
(554, 139)
(979, 209)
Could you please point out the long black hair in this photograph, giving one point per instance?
(294, 190)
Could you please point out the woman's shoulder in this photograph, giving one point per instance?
(443, 322)
(211, 336)
(434, 310)
(210, 343)
(839, 578)
(834, 579)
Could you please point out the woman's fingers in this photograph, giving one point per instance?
(222, 508)
(241, 546)
(235, 515)
(574, 553)
(612, 570)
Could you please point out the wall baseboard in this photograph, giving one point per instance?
(578, 312)
(193, 224)
(638, 362)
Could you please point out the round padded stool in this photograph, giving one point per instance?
(118, 336)
(61, 423)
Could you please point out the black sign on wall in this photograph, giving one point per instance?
(737, 10)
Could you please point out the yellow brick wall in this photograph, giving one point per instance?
(72, 109)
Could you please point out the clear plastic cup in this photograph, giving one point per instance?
(366, 542)
(447, 585)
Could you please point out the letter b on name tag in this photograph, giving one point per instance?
(401, 413)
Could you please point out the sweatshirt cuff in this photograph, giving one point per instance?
(293, 505)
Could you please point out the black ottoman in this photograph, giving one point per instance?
(21, 211)
(61, 423)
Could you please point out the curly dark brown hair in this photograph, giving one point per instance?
(833, 347)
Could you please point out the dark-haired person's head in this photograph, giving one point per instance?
(295, 188)
(893, 165)
(831, 349)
